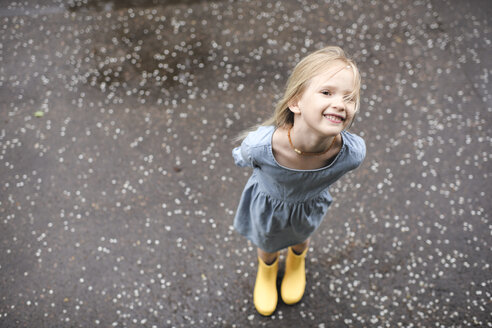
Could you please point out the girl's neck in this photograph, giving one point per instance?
(287, 157)
(307, 140)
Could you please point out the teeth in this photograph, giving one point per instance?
(333, 117)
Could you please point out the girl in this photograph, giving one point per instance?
(296, 155)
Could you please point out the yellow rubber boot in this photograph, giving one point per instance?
(294, 281)
(265, 294)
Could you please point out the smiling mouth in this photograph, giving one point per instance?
(334, 118)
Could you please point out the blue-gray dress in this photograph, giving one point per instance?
(279, 206)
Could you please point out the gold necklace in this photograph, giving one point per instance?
(300, 152)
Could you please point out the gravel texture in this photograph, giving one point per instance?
(118, 188)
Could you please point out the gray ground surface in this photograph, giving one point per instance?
(116, 205)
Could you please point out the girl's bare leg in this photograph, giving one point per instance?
(267, 258)
(299, 248)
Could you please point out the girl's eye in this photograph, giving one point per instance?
(326, 92)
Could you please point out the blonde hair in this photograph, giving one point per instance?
(310, 66)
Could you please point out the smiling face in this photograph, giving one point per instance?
(326, 107)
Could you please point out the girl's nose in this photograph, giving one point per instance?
(339, 102)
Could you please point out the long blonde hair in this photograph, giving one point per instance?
(310, 66)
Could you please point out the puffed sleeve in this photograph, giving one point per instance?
(242, 155)
(361, 150)
(357, 150)
(247, 153)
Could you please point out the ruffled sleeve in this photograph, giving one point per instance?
(246, 154)
(359, 150)
(242, 155)
(356, 150)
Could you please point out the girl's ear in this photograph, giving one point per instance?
(294, 106)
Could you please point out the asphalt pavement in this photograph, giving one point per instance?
(118, 188)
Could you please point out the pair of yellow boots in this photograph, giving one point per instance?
(265, 294)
